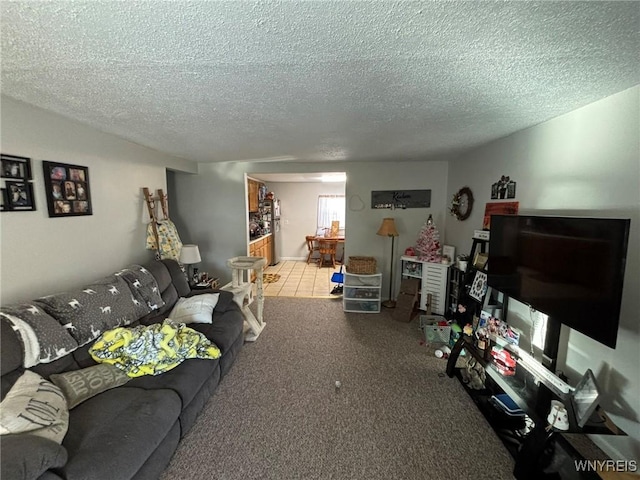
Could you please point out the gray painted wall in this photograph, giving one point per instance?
(42, 255)
(212, 207)
(584, 163)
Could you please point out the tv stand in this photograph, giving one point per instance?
(530, 442)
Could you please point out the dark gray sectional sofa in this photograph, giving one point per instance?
(131, 431)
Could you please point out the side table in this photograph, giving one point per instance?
(242, 290)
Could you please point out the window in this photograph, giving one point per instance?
(330, 208)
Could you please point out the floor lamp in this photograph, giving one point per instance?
(388, 229)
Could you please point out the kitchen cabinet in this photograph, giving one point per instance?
(261, 248)
(253, 187)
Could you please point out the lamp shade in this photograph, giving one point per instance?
(190, 254)
(388, 228)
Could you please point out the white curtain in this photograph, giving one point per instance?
(330, 208)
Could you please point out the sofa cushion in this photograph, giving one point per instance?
(35, 406)
(80, 385)
(112, 434)
(42, 337)
(185, 379)
(196, 309)
(225, 328)
(144, 288)
(87, 312)
(25, 457)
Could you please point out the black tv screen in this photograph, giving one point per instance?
(570, 268)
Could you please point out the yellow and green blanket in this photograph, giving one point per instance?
(153, 349)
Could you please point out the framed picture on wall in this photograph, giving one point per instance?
(16, 185)
(15, 167)
(17, 196)
(67, 188)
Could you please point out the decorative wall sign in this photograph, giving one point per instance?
(67, 188)
(401, 199)
(503, 188)
(17, 190)
(498, 208)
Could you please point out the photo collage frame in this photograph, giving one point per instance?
(67, 189)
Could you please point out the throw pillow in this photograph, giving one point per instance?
(80, 385)
(144, 288)
(43, 338)
(196, 309)
(36, 406)
(97, 307)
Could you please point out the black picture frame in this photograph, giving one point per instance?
(67, 189)
(18, 196)
(14, 167)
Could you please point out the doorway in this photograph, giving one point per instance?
(298, 195)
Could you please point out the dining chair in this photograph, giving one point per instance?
(327, 248)
(312, 245)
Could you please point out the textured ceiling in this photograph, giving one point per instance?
(316, 80)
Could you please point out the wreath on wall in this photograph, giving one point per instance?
(462, 204)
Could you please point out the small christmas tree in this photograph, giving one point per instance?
(428, 244)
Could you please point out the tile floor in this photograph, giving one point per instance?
(297, 279)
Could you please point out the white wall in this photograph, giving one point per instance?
(41, 255)
(586, 162)
(212, 206)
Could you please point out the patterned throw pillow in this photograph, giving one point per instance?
(36, 406)
(144, 287)
(43, 338)
(80, 385)
(88, 312)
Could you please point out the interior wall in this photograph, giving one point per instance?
(299, 206)
(212, 207)
(585, 163)
(41, 255)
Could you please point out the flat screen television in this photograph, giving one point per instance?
(570, 268)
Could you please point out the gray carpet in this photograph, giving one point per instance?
(278, 415)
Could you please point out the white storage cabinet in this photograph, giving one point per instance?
(433, 280)
(362, 292)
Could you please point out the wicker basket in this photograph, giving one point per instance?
(363, 265)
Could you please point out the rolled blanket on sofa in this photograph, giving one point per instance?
(152, 349)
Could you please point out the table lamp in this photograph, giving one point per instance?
(190, 255)
(388, 229)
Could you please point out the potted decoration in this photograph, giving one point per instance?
(463, 262)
